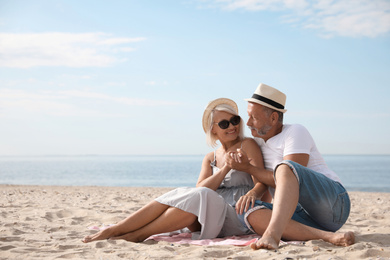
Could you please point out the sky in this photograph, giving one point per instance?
(133, 77)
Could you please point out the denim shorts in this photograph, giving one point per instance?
(323, 203)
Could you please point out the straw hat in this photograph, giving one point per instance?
(211, 106)
(269, 97)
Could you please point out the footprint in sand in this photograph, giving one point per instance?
(50, 216)
(5, 248)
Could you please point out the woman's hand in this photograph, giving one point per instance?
(238, 160)
(246, 201)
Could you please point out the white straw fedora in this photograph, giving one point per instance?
(210, 107)
(269, 97)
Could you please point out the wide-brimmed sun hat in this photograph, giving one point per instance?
(211, 106)
(269, 97)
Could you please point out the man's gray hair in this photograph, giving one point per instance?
(269, 111)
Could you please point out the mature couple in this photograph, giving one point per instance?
(309, 201)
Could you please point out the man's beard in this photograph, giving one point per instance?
(262, 131)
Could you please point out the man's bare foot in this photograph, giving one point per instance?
(265, 242)
(343, 239)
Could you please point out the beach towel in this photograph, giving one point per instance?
(186, 238)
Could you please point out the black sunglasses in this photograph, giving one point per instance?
(224, 124)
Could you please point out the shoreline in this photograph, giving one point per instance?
(353, 190)
(48, 222)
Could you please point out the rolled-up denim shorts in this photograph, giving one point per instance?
(323, 203)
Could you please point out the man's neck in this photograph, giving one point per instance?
(273, 132)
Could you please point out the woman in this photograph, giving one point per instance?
(209, 209)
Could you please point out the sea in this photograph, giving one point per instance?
(368, 173)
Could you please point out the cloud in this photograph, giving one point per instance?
(26, 50)
(119, 100)
(348, 18)
(68, 103)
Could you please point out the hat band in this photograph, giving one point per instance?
(268, 101)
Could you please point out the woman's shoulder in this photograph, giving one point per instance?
(209, 157)
(249, 144)
(249, 141)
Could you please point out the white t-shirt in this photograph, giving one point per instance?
(292, 140)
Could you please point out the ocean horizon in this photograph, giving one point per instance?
(369, 173)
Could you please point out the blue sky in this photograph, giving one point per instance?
(133, 77)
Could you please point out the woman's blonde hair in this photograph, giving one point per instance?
(211, 138)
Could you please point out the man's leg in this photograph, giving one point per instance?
(294, 230)
(325, 200)
(285, 202)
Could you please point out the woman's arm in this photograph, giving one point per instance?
(206, 176)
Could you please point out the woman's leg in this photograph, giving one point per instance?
(137, 220)
(294, 230)
(285, 202)
(170, 220)
(195, 226)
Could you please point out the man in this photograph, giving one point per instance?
(309, 201)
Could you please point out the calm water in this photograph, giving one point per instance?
(358, 173)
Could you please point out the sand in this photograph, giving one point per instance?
(48, 222)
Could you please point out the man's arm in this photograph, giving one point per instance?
(301, 158)
(261, 174)
(239, 160)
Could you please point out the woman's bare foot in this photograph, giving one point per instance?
(343, 239)
(101, 235)
(131, 237)
(265, 242)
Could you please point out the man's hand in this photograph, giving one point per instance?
(246, 201)
(238, 160)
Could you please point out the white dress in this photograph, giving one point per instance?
(214, 209)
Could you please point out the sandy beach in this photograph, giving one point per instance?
(48, 222)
